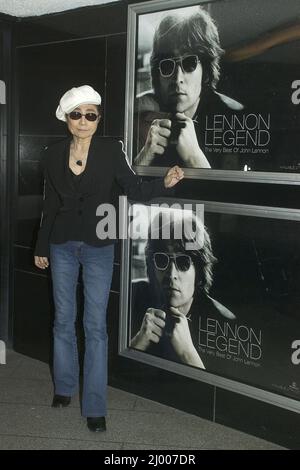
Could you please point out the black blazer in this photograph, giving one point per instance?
(69, 210)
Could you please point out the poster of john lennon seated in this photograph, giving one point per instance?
(207, 95)
(219, 294)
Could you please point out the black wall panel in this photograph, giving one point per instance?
(115, 89)
(7, 172)
(255, 417)
(50, 70)
(30, 178)
(33, 315)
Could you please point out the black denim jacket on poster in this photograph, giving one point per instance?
(69, 210)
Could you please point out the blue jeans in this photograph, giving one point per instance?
(97, 268)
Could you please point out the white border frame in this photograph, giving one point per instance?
(192, 173)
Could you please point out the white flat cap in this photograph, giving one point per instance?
(74, 97)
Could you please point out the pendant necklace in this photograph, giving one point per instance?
(77, 161)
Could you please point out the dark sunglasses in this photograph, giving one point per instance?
(76, 115)
(162, 260)
(187, 63)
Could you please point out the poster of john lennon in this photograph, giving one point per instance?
(219, 294)
(208, 95)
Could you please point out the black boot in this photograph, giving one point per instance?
(96, 424)
(60, 401)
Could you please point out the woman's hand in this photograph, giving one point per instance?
(173, 176)
(41, 262)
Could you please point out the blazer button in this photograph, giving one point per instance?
(81, 199)
(79, 212)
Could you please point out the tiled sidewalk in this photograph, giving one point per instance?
(28, 421)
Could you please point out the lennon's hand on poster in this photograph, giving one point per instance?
(220, 296)
(208, 97)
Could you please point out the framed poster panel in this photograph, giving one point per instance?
(211, 291)
(219, 100)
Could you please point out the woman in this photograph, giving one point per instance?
(82, 173)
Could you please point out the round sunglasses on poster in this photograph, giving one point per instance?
(187, 63)
(162, 260)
